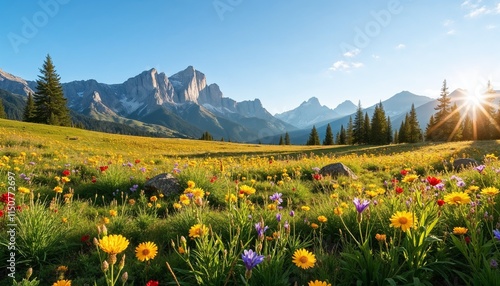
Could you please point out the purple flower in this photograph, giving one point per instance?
(493, 263)
(276, 197)
(460, 184)
(143, 169)
(134, 188)
(278, 217)
(360, 206)
(496, 233)
(251, 259)
(261, 228)
(439, 186)
(316, 169)
(480, 168)
(286, 225)
(292, 213)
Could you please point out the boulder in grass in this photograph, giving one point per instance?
(337, 169)
(464, 163)
(163, 183)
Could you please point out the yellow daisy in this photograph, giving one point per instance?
(146, 251)
(23, 190)
(247, 190)
(410, 178)
(459, 230)
(113, 244)
(318, 283)
(490, 191)
(338, 211)
(62, 283)
(198, 230)
(322, 219)
(113, 212)
(457, 198)
(303, 258)
(403, 220)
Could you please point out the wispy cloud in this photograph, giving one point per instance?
(448, 23)
(400, 46)
(477, 12)
(352, 53)
(451, 32)
(475, 8)
(376, 57)
(345, 66)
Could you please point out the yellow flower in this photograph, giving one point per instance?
(457, 198)
(231, 198)
(305, 208)
(185, 200)
(303, 258)
(57, 178)
(65, 180)
(158, 206)
(371, 194)
(344, 205)
(314, 225)
(150, 205)
(191, 184)
(490, 157)
(459, 230)
(247, 190)
(198, 192)
(318, 283)
(177, 206)
(410, 178)
(58, 189)
(403, 220)
(198, 230)
(181, 250)
(62, 268)
(490, 191)
(322, 219)
(131, 202)
(146, 251)
(271, 207)
(23, 190)
(64, 219)
(380, 237)
(105, 220)
(153, 198)
(338, 211)
(62, 283)
(113, 244)
(113, 212)
(334, 196)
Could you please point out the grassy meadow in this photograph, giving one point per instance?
(74, 212)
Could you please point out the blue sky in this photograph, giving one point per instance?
(282, 52)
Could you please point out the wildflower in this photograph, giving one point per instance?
(66, 173)
(58, 189)
(185, 199)
(360, 206)
(457, 198)
(278, 217)
(334, 196)
(440, 203)
(317, 177)
(496, 233)
(303, 258)
(152, 283)
(480, 168)
(490, 157)
(305, 208)
(62, 283)
(403, 172)
(198, 193)
(314, 225)
(23, 190)
(251, 259)
(105, 220)
(380, 237)
(103, 168)
(322, 219)
(131, 202)
(113, 244)
(134, 188)
(191, 184)
(231, 198)
(146, 251)
(338, 211)
(399, 190)
(276, 197)
(459, 230)
(65, 180)
(177, 206)
(292, 213)
(261, 228)
(113, 212)
(433, 181)
(410, 178)
(318, 283)
(198, 230)
(64, 220)
(181, 250)
(85, 238)
(271, 207)
(490, 191)
(153, 198)
(247, 190)
(403, 220)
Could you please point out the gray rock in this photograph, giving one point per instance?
(165, 183)
(337, 169)
(464, 163)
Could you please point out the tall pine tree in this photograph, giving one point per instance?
(367, 129)
(414, 132)
(287, 139)
(313, 137)
(3, 115)
(358, 133)
(441, 127)
(348, 132)
(379, 126)
(29, 109)
(342, 135)
(50, 103)
(328, 136)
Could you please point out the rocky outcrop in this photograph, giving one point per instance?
(165, 184)
(337, 169)
(464, 163)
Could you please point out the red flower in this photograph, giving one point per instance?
(213, 179)
(137, 161)
(394, 181)
(94, 179)
(403, 172)
(440, 202)
(152, 283)
(85, 238)
(433, 181)
(467, 239)
(399, 190)
(5, 198)
(317, 177)
(103, 168)
(66, 172)
(1, 213)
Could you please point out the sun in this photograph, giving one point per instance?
(473, 100)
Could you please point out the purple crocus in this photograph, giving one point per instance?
(360, 206)
(251, 259)
(276, 197)
(493, 263)
(480, 168)
(292, 213)
(261, 228)
(278, 217)
(496, 233)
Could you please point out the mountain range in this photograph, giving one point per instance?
(185, 105)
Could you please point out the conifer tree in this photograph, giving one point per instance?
(358, 132)
(413, 127)
(50, 103)
(441, 128)
(287, 139)
(429, 134)
(328, 136)
(3, 115)
(281, 142)
(366, 129)
(402, 136)
(379, 126)
(342, 136)
(389, 131)
(348, 132)
(29, 109)
(313, 137)
(468, 129)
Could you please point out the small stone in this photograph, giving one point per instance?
(163, 183)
